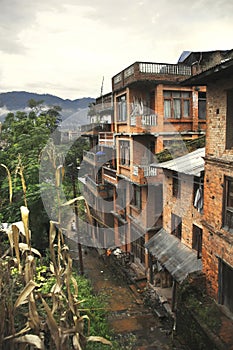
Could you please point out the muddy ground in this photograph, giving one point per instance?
(134, 324)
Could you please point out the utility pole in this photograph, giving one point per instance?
(80, 255)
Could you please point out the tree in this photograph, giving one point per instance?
(23, 136)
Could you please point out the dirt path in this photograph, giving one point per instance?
(134, 325)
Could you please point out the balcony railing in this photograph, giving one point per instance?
(146, 120)
(140, 71)
(144, 171)
(89, 155)
(99, 189)
(95, 127)
(164, 68)
(106, 139)
(94, 158)
(110, 172)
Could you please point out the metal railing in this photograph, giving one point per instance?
(144, 170)
(143, 120)
(106, 138)
(89, 155)
(139, 68)
(164, 68)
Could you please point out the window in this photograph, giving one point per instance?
(137, 245)
(229, 120)
(136, 200)
(198, 192)
(228, 205)
(225, 281)
(158, 198)
(176, 226)
(202, 105)
(176, 185)
(176, 104)
(124, 152)
(197, 240)
(121, 108)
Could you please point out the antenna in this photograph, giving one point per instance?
(102, 86)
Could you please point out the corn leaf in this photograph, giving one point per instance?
(31, 339)
(52, 236)
(76, 343)
(25, 219)
(99, 339)
(52, 324)
(72, 201)
(24, 247)
(20, 227)
(33, 314)
(79, 323)
(75, 285)
(22, 298)
(22, 331)
(15, 233)
(29, 268)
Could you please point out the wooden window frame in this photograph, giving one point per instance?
(173, 100)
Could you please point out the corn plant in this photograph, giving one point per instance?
(30, 318)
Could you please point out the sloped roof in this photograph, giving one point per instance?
(174, 255)
(222, 70)
(189, 164)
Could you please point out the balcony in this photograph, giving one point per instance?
(110, 175)
(98, 158)
(99, 190)
(145, 71)
(106, 139)
(94, 128)
(104, 103)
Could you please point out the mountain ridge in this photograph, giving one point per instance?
(19, 99)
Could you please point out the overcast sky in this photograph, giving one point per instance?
(65, 47)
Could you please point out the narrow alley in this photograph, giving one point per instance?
(134, 325)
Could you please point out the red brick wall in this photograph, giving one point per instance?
(216, 118)
(182, 206)
(217, 242)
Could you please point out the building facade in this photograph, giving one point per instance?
(151, 112)
(176, 250)
(218, 217)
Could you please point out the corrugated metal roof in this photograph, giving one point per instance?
(172, 254)
(190, 164)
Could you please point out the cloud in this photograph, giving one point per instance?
(65, 47)
(16, 16)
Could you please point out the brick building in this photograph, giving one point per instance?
(176, 250)
(151, 111)
(218, 186)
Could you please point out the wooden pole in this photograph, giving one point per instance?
(80, 255)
